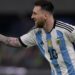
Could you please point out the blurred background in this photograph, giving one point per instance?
(15, 20)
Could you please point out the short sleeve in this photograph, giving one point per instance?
(28, 39)
(71, 34)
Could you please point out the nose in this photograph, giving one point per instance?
(32, 16)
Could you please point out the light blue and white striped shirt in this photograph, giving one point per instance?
(56, 46)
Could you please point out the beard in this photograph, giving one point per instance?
(40, 23)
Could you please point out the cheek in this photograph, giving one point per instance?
(42, 17)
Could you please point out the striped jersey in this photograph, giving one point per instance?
(56, 46)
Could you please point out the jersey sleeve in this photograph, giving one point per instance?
(28, 40)
(71, 34)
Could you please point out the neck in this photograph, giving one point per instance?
(49, 24)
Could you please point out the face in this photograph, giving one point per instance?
(38, 16)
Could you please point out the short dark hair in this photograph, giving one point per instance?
(45, 4)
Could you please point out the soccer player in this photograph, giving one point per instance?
(53, 37)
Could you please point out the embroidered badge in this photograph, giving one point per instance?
(58, 41)
(49, 43)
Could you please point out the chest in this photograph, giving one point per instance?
(54, 40)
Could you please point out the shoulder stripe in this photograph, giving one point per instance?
(65, 26)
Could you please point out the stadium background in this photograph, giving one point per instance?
(15, 20)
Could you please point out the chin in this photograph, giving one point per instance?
(40, 24)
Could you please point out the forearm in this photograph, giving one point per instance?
(11, 41)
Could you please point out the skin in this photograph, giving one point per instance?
(43, 19)
(10, 41)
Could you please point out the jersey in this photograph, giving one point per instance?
(56, 46)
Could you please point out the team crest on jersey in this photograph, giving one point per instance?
(58, 41)
(49, 43)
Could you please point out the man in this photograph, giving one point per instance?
(54, 39)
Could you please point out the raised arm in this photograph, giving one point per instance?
(26, 40)
(10, 41)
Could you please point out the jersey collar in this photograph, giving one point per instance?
(53, 26)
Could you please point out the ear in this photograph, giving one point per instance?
(45, 16)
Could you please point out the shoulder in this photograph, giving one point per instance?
(65, 25)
